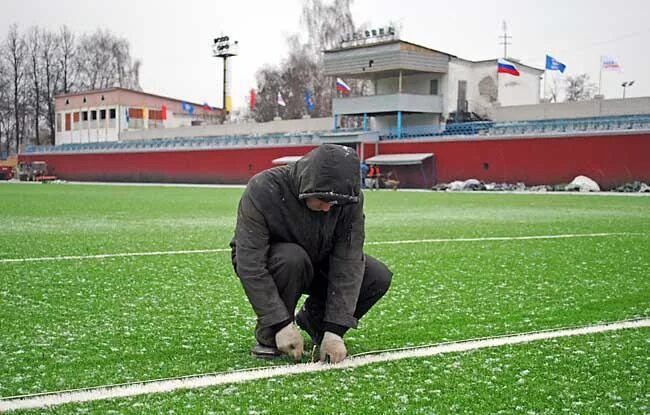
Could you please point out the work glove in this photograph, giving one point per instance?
(332, 348)
(289, 341)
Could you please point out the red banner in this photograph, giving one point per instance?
(253, 100)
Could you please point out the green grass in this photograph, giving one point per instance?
(78, 323)
(596, 374)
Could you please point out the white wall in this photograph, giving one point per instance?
(281, 126)
(458, 71)
(98, 131)
(581, 109)
(519, 90)
(512, 90)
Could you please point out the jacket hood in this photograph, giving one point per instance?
(329, 172)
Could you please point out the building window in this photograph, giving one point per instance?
(75, 120)
(84, 120)
(155, 119)
(67, 121)
(112, 114)
(136, 118)
(93, 119)
(433, 87)
(102, 114)
(59, 127)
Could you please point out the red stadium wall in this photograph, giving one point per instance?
(197, 166)
(611, 160)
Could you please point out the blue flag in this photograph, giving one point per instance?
(554, 65)
(308, 101)
(187, 107)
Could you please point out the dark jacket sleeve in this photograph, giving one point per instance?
(251, 252)
(346, 268)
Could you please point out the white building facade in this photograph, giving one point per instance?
(411, 85)
(103, 115)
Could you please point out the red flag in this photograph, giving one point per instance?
(163, 110)
(253, 100)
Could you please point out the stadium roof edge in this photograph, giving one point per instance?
(368, 45)
(494, 60)
(119, 88)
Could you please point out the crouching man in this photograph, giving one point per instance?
(300, 230)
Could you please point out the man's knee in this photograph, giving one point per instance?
(380, 277)
(287, 260)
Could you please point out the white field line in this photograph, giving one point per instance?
(503, 238)
(403, 242)
(125, 254)
(200, 381)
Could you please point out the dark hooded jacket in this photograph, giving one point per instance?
(272, 209)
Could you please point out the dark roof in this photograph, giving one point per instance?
(369, 45)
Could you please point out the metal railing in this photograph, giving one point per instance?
(469, 129)
(523, 128)
(178, 143)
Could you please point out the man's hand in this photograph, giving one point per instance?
(289, 341)
(332, 348)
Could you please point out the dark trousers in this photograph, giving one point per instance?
(294, 275)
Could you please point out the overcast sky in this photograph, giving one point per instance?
(173, 38)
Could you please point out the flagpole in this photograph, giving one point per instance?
(544, 91)
(600, 77)
(498, 81)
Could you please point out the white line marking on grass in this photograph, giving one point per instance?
(408, 241)
(502, 238)
(125, 254)
(200, 381)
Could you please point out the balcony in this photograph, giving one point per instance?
(386, 104)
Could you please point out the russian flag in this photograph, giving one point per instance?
(342, 87)
(503, 66)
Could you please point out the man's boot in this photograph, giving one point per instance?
(305, 321)
(265, 352)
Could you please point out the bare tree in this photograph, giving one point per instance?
(34, 52)
(554, 90)
(268, 86)
(37, 67)
(303, 69)
(66, 58)
(326, 23)
(50, 51)
(15, 52)
(579, 88)
(6, 114)
(103, 61)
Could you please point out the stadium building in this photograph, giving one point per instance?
(414, 122)
(102, 115)
(416, 86)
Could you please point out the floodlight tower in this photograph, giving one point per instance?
(224, 48)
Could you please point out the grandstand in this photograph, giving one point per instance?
(469, 130)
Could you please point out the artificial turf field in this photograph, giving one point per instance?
(71, 323)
